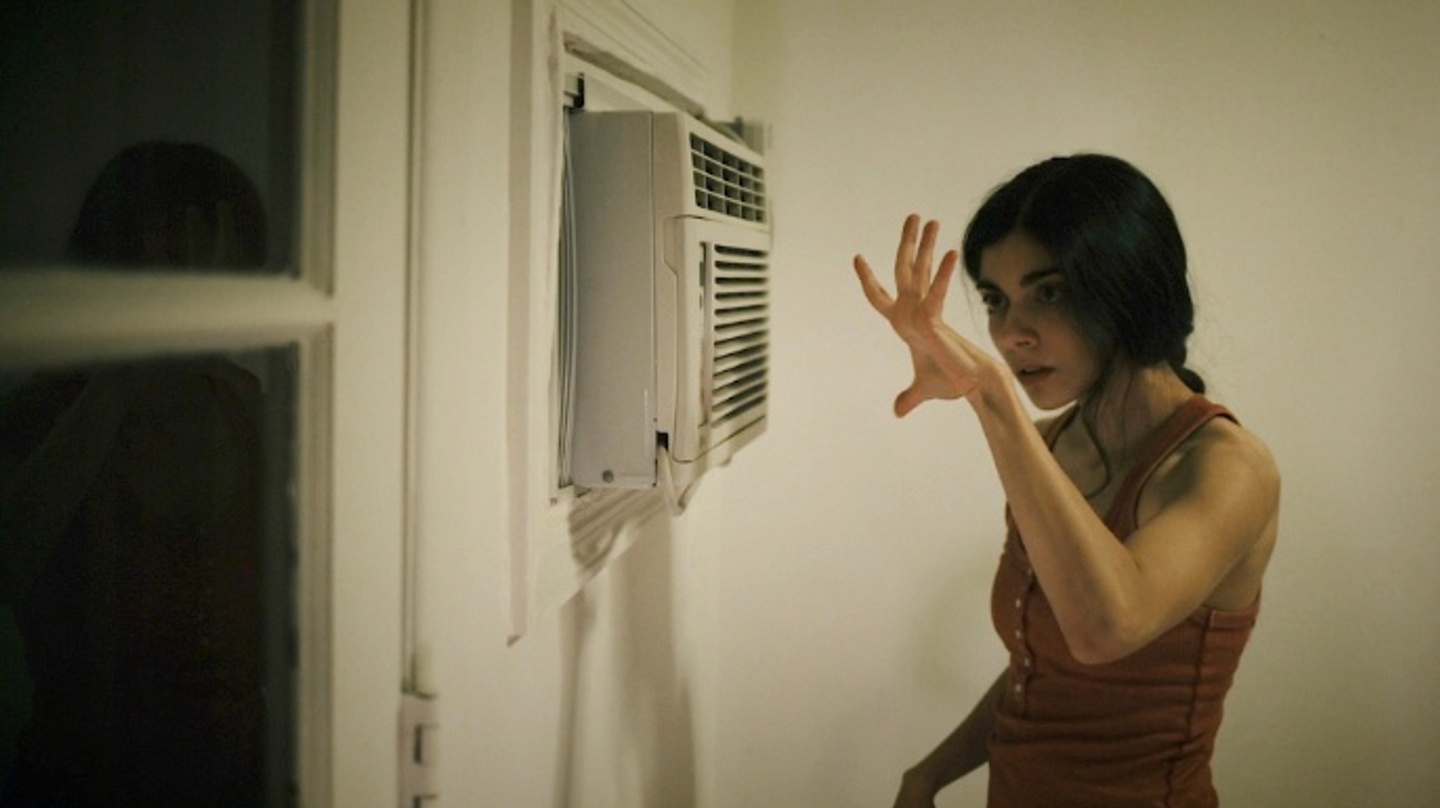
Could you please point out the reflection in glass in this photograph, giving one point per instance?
(163, 204)
(145, 608)
(82, 81)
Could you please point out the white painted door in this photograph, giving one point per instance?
(204, 458)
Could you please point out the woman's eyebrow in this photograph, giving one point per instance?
(1026, 281)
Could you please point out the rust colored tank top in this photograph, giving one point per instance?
(1136, 732)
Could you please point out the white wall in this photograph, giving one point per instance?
(1296, 141)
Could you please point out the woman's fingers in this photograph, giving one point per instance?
(905, 254)
(909, 398)
(943, 364)
(915, 256)
(912, 271)
(935, 298)
(920, 270)
(874, 292)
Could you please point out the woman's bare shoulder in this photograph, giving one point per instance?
(1230, 442)
(1221, 454)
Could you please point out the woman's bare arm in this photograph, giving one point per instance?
(963, 751)
(1112, 598)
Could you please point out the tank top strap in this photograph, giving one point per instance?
(1184, 422)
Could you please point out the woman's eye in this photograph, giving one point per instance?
(991, 301)
(1050, 293)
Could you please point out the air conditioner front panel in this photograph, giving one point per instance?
(613, 444)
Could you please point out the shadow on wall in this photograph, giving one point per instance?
(653, 724)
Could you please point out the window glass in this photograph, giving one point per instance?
(146, 608)
(149, 133)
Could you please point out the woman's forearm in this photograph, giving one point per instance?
(1088, 576)
(963, 751)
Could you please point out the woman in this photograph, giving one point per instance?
(1141, 518)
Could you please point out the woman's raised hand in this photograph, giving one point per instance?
(946, 365)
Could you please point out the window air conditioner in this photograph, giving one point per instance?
(670, 244)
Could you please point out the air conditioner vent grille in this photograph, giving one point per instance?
(725, 183)
(739, 344)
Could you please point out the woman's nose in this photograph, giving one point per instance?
(1012, 330)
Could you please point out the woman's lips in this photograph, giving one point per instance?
(1031, 375)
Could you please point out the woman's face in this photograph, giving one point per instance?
(1033, 324)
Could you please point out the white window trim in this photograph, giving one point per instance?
(559, 541)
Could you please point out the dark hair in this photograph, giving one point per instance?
(148, 190)
(1115, 239)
